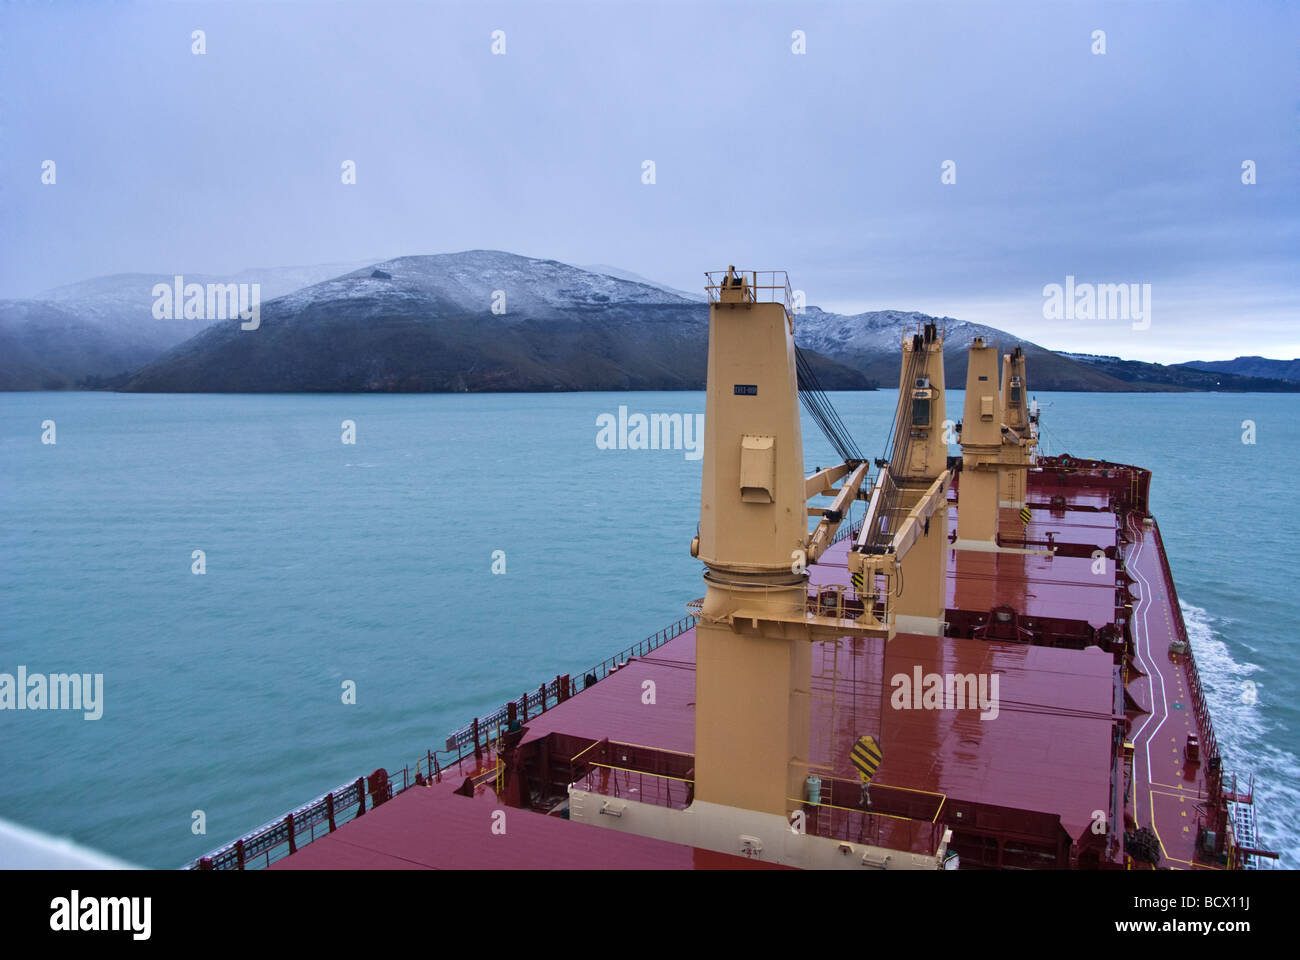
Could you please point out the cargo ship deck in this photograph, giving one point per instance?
(1096, 729)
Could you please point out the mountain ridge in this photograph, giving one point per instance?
(480, 320)
(1251, 367)
(474, 321)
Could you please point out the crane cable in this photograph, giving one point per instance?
(820, 408)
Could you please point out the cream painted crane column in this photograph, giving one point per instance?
(751, 713)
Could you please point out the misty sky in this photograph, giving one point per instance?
(1117, 168)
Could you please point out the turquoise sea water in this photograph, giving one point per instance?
(372, 563)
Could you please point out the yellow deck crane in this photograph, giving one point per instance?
(756, 619)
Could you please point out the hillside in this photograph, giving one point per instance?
(485, 320)
(1251, 367)
(426, 323)
(869, 342)
(1181, 377)
(103, 329)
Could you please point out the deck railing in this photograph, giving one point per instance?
(280, 837)
(658, 789)
(484, 730)
(277, 839)
(847, 531)
(875, 829)
(895, 818)
(1209, 743)
(1128, 484)
(1217, 815)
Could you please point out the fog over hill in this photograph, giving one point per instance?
(88, 332)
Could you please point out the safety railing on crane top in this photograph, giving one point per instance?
(762, 286)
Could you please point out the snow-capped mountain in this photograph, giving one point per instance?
(870, 342)
(477, 280)
(478, 320)
(869, 335)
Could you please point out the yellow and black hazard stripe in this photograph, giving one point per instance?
(866, 757)
(1025, 515)
(857, 581)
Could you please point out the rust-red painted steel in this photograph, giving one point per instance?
(1033, 777)
(433, 828)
